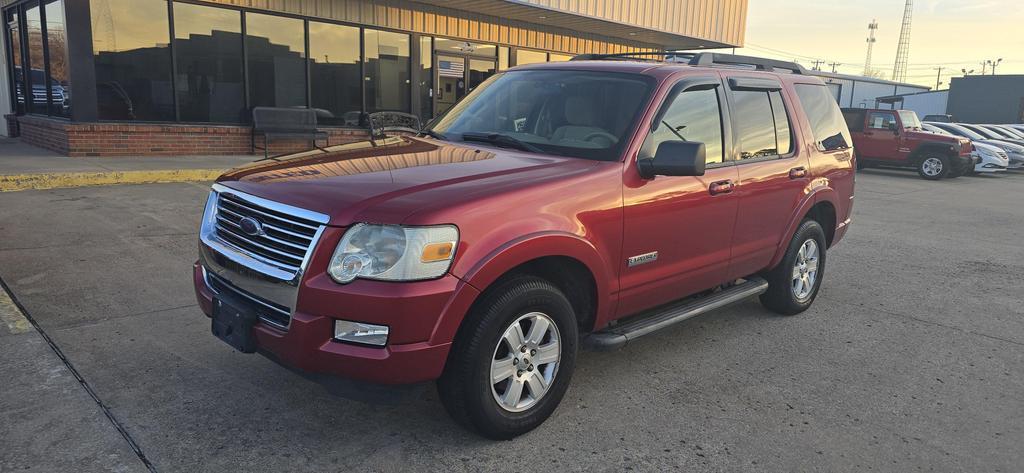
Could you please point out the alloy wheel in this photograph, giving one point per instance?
(525, 362)
(805, 270)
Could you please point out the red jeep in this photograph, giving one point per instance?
(895, 138)
(559, 206)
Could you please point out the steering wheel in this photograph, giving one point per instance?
(602, 134)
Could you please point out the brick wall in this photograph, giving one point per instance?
(123, 139)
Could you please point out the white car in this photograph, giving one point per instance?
(1014, 151)
(987, 158)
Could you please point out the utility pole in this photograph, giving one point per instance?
(835, 65)
(817, 64)
(984, 67)
(938, 77)
(872, 27)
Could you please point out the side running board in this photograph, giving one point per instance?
(616, 337)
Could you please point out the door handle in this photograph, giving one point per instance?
(721, 187)
(798, 173)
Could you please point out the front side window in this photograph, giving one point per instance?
(388, 79)
(208, 58)
(881, 121)
(276, 48)
(132, 59)
(693, 115)
(827, 123)
(335, 80)
(581, 114)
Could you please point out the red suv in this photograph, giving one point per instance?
(895, 138)
(559, 206)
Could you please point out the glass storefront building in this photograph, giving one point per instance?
(168, 63)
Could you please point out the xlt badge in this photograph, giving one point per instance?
(642, 259)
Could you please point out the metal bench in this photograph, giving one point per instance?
(285, 123)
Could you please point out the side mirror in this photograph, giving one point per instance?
(675, 158)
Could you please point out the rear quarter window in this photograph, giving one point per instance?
(827, 122)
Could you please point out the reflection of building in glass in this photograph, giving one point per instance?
(168, 65)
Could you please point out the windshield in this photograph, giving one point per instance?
(909, 119)
(580, 114)
(983, 132)
(936, 130)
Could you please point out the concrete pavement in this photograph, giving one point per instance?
(911, 359)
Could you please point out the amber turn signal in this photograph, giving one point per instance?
(437, 252)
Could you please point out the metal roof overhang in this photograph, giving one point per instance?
(552, 18)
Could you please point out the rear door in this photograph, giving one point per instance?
(678, 229)
(773, 173)
(880, 140)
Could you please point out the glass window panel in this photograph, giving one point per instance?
(426, 84)
(559, 57)
(755, 124)
(693, 116)
(208, 62)
(387, 71)
(503, 63)
(277, 60)
(525, 56)
(57, 44)
(132, 59)
(37, 67)
(479, 71)
(334, 73)
(830, 131)
(782, 128)
(453, 46)
(14, 40)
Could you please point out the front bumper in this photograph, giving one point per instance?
(416, 312)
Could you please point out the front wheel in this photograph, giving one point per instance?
(794, 283)
(512, 361)
(934, 168)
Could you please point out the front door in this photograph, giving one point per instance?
(457, 76)
(881, 138)
(678, 230)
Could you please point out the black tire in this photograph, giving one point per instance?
(465, 387)
(781, 296)
(943, 163)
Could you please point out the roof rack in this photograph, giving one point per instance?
(703, 59)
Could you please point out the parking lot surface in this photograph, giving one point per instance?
(911, 358)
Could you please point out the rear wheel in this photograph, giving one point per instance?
(512, 362)
(793, 284)
(934, 167)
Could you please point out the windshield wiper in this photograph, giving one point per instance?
(501, 140)
(433, 134)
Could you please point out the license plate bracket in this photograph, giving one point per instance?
(233, 323)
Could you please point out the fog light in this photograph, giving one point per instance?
(358, 332)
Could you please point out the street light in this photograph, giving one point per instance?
(966, 72)
(994, 64)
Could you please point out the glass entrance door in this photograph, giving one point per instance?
(456, 76)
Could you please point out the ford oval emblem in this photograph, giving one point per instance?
(251, 226)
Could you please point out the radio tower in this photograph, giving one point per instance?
(871, 44)
(899, 71)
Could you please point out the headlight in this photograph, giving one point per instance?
(393, 253)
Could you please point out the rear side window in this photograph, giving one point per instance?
(827, 124)
(694, 115)
(854, 119)
(761, 123)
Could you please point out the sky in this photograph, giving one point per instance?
(953, 34)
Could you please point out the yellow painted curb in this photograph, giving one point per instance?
(23, 182)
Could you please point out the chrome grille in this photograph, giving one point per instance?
(284, 240)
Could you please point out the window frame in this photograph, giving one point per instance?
(686, 84)
(767, 86)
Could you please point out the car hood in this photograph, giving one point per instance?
(378, 181)
(930, 136)
(1005, 145)
(987, 147)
